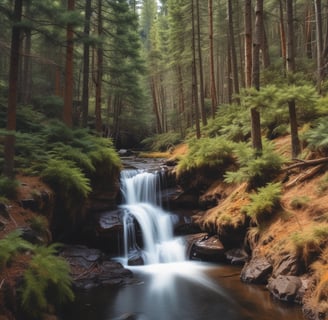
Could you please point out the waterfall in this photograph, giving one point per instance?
(142, 202)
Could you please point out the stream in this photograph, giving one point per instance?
(169, 286)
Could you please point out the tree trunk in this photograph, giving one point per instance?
(9, 143)
(319, 41)
(98, 123)
(194, 73)
(200, 62)
(233, 52)
(290, 67)
(258, 39)
(282, 32)
(212, 74)
(69, 78)
(26, 62)
(308, 31)
(182, 115)
(248, 43)
(155, 106)
(86, 65)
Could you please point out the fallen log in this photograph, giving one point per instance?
(305, 175)
(305, 163)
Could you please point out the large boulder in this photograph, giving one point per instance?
(205, 247)
(287, 288)
(257, 270)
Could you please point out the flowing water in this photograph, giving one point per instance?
(168, 286)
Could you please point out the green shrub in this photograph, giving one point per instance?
(255, 169)
(10, 246)
(75, 155)
(309, 242)
(8, 187)
(227, 124)
(161, 142)
(51, 106)
(46, 281)
(299, 202)
(39, 224)
(263, 203)
(317, 137)
(207, 153)
(69, 183)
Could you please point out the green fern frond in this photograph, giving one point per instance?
(46, 281)
(263, 202)
(11, 245)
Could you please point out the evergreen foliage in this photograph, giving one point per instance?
(228, 125)
(162, 142)
(69, 183)
(10, 246)
(8, 187)
(207, 153)
(46, 281)
(317, 137)
(263, 203)
(255, 169)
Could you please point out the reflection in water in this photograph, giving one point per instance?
(183, 291)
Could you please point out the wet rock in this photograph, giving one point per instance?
(286, 288)
(190, 241)
(32, 236)
(237, 256)
(206, 248)
(127, 316)
(30, 204)
(135, 258)
(257, 270)
(105, 231)
(90, 268)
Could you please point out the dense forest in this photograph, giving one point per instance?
(80, 80)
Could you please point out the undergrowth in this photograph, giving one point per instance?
(256, 170)
(46, 279)
(308, 242)
(263, 203)
(206, 152)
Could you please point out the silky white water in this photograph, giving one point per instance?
(142, 202)
(169, 286)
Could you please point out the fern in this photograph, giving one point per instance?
(317, 138)
(263, 203)
(10, 246)
(162, 142)
(207, 153)
(46, 281)
(8, 187)
(80, 159)
(69, 183)
(254, 169)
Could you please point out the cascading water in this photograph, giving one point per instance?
(177, 289)
(142, 201)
